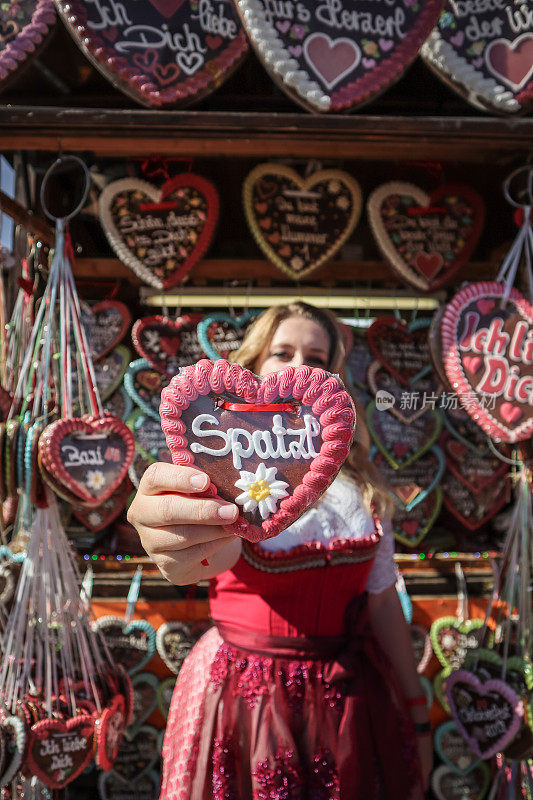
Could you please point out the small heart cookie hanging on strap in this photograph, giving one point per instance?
(175, 641)
(143, 385)
(131, 644)
(137, 754)
(168, 344)
(488, 345)
(221, 334)
(476, 469)
(163, 52)
(410, 527)
(474, 508)
(106, 326)
(334, 56)
(24, 28)
(110, 728)
(53, 743)
(407, 405)
(425, 237)
(448, 783)
(402, 444)
(300, 223)
(160, 233)
(99, 517)
(484, 51)
(271, 445)
(402, 349)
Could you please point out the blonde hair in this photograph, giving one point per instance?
(257, 340)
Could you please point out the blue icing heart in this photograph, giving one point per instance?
(238, 324)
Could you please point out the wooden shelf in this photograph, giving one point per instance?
(139, 132)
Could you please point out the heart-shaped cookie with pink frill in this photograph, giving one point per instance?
(271, 445)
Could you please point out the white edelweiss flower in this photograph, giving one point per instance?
(261, 490)
(94, 518)
(95, 479)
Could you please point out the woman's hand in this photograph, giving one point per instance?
(179, 530)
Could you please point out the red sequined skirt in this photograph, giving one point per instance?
(277, 718)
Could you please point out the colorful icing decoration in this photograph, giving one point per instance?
(425, 237)
(138, 754)
(484, 51)
(143, 385)
(453, 750)
(338, 54)
(224, 419)
(474, 508)
(160, 233)
(160, 53)
(176, 639)
(402, 444)
(453, 638)
(488, 715)
(221, 334)
(132, 644)
(410, 527)
(59, 750)
(24, 27)
(488, 344)
(411, 484)
(300, 223)
(168, 344)
(402, 349)
(406, 405)
(449, 784)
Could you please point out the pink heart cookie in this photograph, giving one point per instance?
(271, 445)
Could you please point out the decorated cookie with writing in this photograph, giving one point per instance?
(411, 484)
(160, 233)
(405, 404)
(175, 641)
(477, 469)
(300, 223)
(271, 445)
(165, 690)
(109, 372)
(453, 638)
(335, 55)
(99, 517)
(150, 440)
(131, 644)
(487, 714)
(58, 750)
(143, 385)
(402, 349)
(14, 738)
(145, 687)
(449, 784)
(402, 444)
(488, 344)
(168, 344)
(113, 787)
(138, 754)
(474, 508)
(485, 52)
(107, 326)
(87, 457)
(453, 750)
(221, 334)
(410, 527)
(110, 728)
(24, 28)
(426, 238)
(422, 649)
(160, 53)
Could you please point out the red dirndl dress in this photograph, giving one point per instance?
(288, 696)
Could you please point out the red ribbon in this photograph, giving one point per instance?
(416, 211)
(256, 406)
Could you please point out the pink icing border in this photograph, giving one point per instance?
(322, 392)
(484, 688)
(389, 70)
(30, 36)
(138, 83)
(452, 358)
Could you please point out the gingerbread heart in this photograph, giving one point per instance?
(165, 691)
(138, 754)
(449, 784)
(110, 728)
(221, 334)
(150, 440)
(168, 344)
(109, 372)
(144, 787)
(485, 53)
(263, 441)
(488, 715)
(488, 342)
(87, 457)
(300, 223)
(160, 233)
(106, 326)
(453, 638)
(143, 385)
(145, 687)
(24, 27)
(476, 469)
(333, 56)
(132, 644)
(406, 404)
(426, 238)
(410, 527)
(99, 517)
(402, 349)
(412, 484)
(58, 751)
(175, 641)
(162, 53)
(453, 749)
(402, 444)
(474, 508)
(14, 736)
(119, 404)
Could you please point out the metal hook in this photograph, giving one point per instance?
(528, 189)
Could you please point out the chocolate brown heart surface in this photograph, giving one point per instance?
(168, 344)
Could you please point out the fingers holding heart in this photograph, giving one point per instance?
(162, 477)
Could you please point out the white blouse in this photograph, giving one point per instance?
(341, 514)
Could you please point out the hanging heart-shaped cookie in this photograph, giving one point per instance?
(271, 445)
(412, 484)
(86, 458)
(144, 698)
(112, 787)
(175, 641)
(410, 527)
(137, 755)
(110, 728)
(453, 638)
(168, 344)
(24, 27)
(150, 440)
(161, 53)
(106, 327)
(160, 233)
(300, 223)
(402, 444)
(449, 784)
(488, 345)
(484, 51)
(453, 750)
(143, 385)
(14, 734)
(474, 508)
(425, 237)
(337, 54)
(476, 469)
(132, 644)
(99, 517)
(59, 750)
(221, 334)
(401, 348)
(405, 404)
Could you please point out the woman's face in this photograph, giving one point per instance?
(297, 341)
